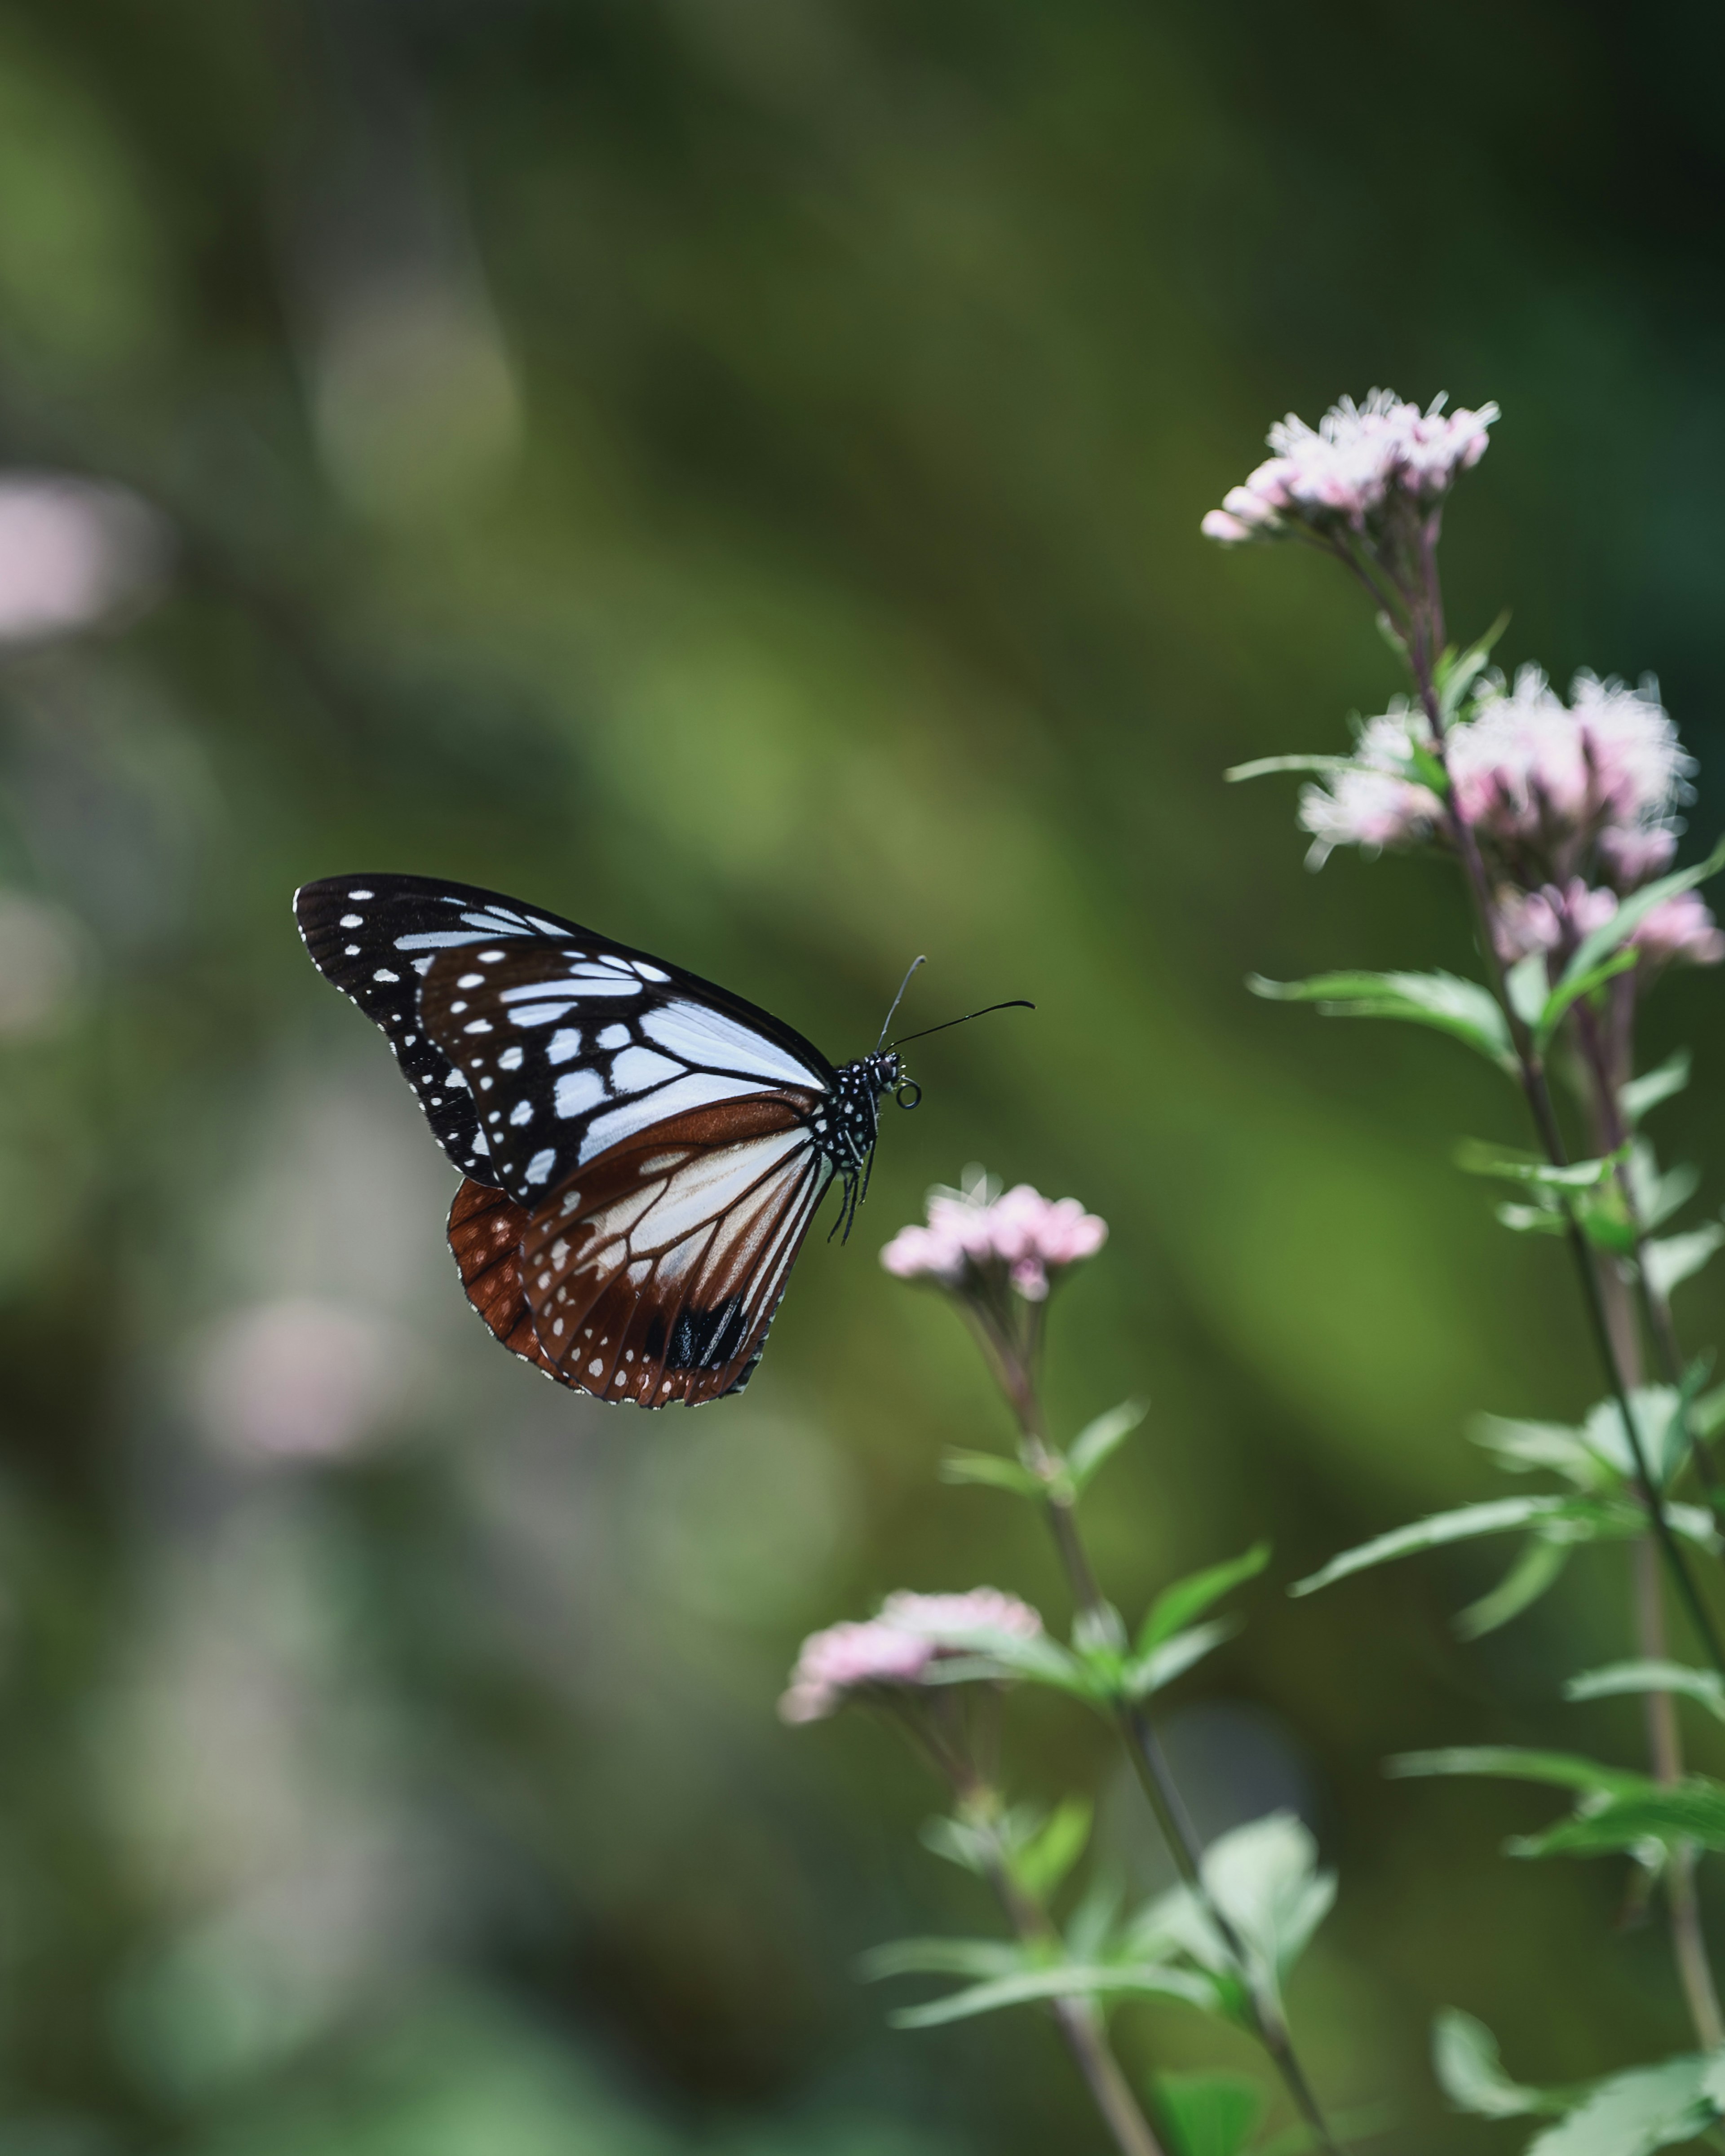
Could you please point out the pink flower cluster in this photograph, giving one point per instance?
(973, 1236)
(1555, 918)
(1345, 469)
(898, 1647)
(1538, 780)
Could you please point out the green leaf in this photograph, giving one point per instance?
(1573, 987)
(1564, 1770)
(1660, 1196)
(977, 1958)
(1456, 671)
(1208, 2114)
(1499, 1516)
(1533, 1572)
(1263, 766)
(1098, 1441)
(1041, 1862)
(986, 1655)
(1150, 1672)
(1644, 1094)
(959, 1844)
(1532, 1220)
(1478, 1157)
(1463, 2056)
(1060, 1980)
(1690, 1810)
(1528, 988)
(1610, 935)
(1635, 2113)
(1264, 1879)
(990, 1467)
(1706, 1687)
(1178, 1605)
(1678, 1258)
(1523, 1446)
(1444, 1000)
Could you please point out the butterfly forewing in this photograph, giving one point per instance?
(571, 1046)
(376, 937)
(653, 1277)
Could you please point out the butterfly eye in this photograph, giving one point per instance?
(907, 1094)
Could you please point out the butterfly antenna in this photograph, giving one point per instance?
(1017, 1002)
(898, 999)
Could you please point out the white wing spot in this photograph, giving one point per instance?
(541, 1164)
(510, 1058)
(491, 958)
(563, 1043)
(578, 1090)
(354, 920)
(424, 966)
(545, 1280)
(481, 1144)
(351, 951)
(522, 1112)
(596, 1368)
(362, 894)
(477, 1025)
(557, 1330)
(615, 1036)
(471, 980)
(536, 1014)
(649, 973)
(456, 1009)
(383, 973)
(559, 1251)
(638, 1069)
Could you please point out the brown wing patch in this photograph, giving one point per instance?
(654, 1275)
(486, 1231)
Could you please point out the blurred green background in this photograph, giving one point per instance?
(729, 470)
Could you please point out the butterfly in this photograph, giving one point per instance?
(643, 1152)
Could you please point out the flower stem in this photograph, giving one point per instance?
(1138, 1734)
(1537, 1092)
(1081, 2020)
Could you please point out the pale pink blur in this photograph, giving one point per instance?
(911, 1632)
(73, 553)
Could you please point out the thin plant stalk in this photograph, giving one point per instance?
(1081, 2022)
(1015, 1367)
(1422, 631)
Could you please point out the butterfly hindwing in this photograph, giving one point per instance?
(572, 1046)
(486, 1231)
(654, 1276)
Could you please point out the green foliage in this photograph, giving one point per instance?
(1208, 2114)
(1098, 1441)
(1178, 1605)
(1444, 1001)
(1627, 2114)
(1264, 1878)
(1642, 1094)
(1706, 1687)
(1042, 1858)
(1465, 2058)
(1536, 1569)
(994, 1470)
(1619, 1811)
(1592, 950)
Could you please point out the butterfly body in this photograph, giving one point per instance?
(644, 1150)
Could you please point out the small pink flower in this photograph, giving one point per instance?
(1631, 857)
(1681, 931)
(1551, 919)
(896, 1648)
(1526, 769)
(1373, 804)
(972, 1237)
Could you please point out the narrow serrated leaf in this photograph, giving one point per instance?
(1444, 1001)
(977, 1958)
(1563, 1770)
(1148, 1674)
(1676, 1258)
(1498, 1516)
(1644, 1094)
(1536, 1570)
(991, 1468)
(1706, 1687)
